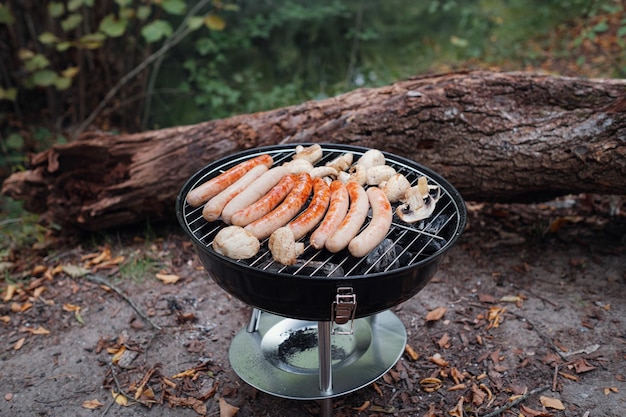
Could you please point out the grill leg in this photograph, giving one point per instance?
(326, 365)
(253, 324)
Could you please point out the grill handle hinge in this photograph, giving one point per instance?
(343, 310)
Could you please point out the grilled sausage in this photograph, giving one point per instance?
(349, 227)
(314, 213)
(282, 214)
(213, 208)
(378, 226)
(337, 209)
(266, 203)
(259, 187)
(214, 186)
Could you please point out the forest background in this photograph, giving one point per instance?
(128, 65)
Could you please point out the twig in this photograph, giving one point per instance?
(178, 36)
(120, 391)
(541, 335)
(99, 280)
(502, 409)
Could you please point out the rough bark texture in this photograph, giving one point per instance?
(494, 136)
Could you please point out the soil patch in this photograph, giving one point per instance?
(524, 317)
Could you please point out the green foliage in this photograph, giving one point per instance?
(261, 55)
(19, 228)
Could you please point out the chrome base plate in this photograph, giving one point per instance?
(281, 357)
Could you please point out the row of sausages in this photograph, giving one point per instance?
(260, 201)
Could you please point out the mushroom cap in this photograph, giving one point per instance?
(311, 153)
(342, 162)
(283, 246)
(419, 202)
(371, 158)
(236, 243)
(395, 187)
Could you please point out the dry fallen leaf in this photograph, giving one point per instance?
(118, 354)
(119, 398)
(189, 372)
(413, 355)
(495, 317)
(362, 407)
(38, 330)
(10, 292)
(436, 314)
(437, 359)
(19, 344)
(550, 402)
(458, 410)
(529, 412)
(168, 278)
(581, 366)
(227, 410)
(92, 404)
(75, 271)
(70, 307)
(444, 342)
(431, 384)
(609, 390)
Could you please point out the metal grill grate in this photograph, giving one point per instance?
(408, 244)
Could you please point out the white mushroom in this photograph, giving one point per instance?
(379, 173)
(297, 166)
(419, 202)
(371, 158)
(342, 162)
(357, 174)
(283, 246)
(324, 171)
(395, 187)
(312, 153)
(236, 243)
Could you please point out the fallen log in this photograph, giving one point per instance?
(511, 137)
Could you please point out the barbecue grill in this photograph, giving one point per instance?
(322, 327)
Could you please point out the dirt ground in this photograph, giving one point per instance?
(526, 316)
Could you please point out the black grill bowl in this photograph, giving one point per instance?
(308, 294)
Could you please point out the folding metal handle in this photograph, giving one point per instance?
(344, 309)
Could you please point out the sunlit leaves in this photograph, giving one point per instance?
(195, 22)
(6, 17)
(8, 94)
(154, 31)
(92, 40)
(48, 38)
(214, 22)
(56, 9)
(71, 22)
(175, 7)
(44, 78)
(143, 12)
(113, 26)
(73, 5)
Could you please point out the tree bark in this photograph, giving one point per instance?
(495, 136)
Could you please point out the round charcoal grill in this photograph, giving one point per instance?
(325, 292)
(392, 275)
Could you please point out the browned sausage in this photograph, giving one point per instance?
(213, 208)
(282, 214)
(337, 209)
(214, 186)
(314, 213)
(377, 229)
(349, 227)
(260, 187)
(266, 203)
